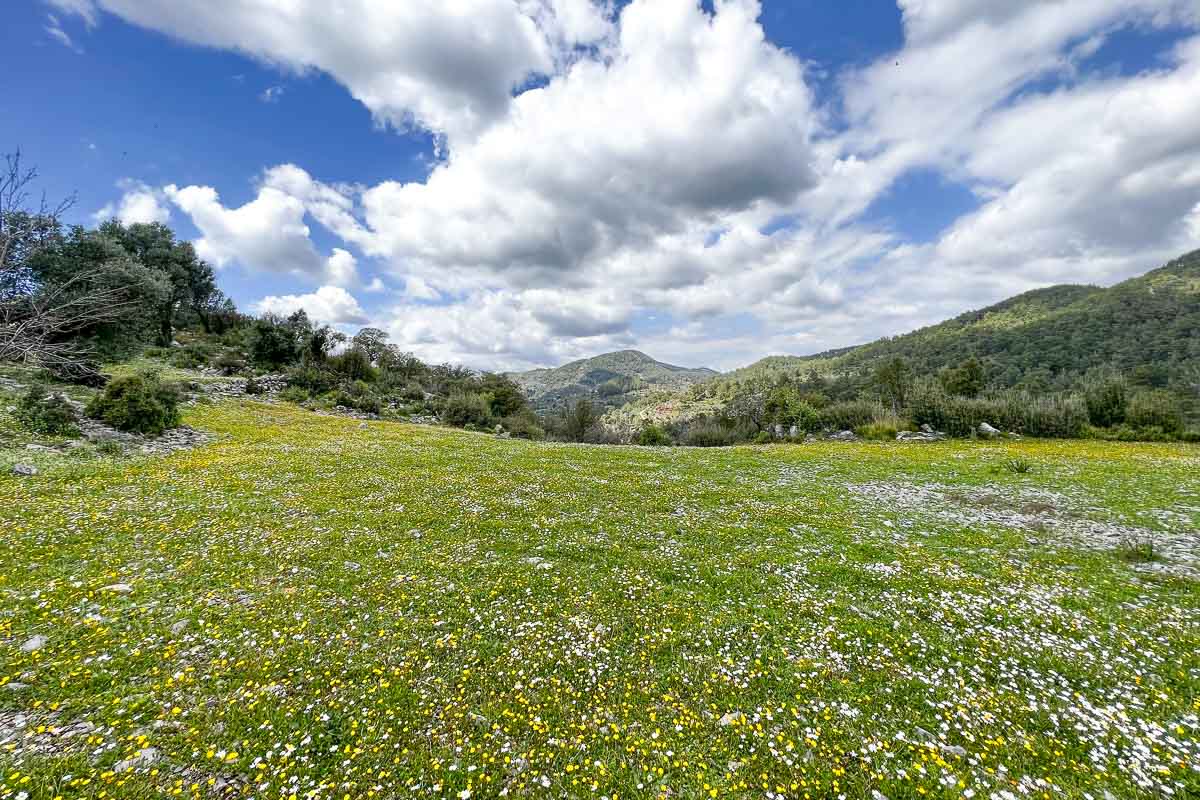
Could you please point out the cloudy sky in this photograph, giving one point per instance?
(515, 183)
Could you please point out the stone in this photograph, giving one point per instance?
(119, 588)
(919, 436)
(41, 448)
(15, 686)
(844, 436)
(927, 428)
(731, 718)
(146, 757)
(26, 470)
(179, 627)
(34, 643)
(987, 431)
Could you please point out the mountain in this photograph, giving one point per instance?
(1149, 325)
(610, 380)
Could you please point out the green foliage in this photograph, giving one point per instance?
(138, 403)
(893, 377)
(1155, 408)
(46, 413)
(277, 342)
(577, 420)
(851, 415)
(1054, 416)
(965, 380)
(524, 425)
(1137, 551)
(314, 380)
(709, 433)
(372, 342)
(1106, 397)
(462, 409)
(254, 388)
(653, 436)
(786, 407)
(355, 365)
(295, 394)
(1019, 466)
(883, 429)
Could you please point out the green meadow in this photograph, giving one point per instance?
(314, 607)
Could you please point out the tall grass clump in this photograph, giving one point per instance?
(1062, 416)
(852, 415)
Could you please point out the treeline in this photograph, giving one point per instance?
(958, 401)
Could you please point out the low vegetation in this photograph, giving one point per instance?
(314, 607)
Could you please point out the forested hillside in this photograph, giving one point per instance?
(610, 380)
(1147, 327)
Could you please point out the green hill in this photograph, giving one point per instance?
(1148, 325)
(611, 379)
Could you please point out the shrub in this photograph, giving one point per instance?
(314, 380)
(523, 425)
(139, 403)
(253, 387)
(654, 436)
(1106, 399)
(1019, 466)
(1137, 551)
(1054, 416)
(47, 414)
(110, 447)
(1155, 408)
(851, 415)
(708, 433)
(1191, 435)
(461, 409)
(883, 428)
(230, 362)
(355, 365)
(294, 394)
(763, 438)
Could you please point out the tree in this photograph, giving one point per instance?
(965, 380)
(893, 378)
(192, 282)
(373, 342)
(37, 317)
(578, 420)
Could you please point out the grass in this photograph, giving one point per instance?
(322, 609)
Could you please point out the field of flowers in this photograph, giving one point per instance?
(311, 607)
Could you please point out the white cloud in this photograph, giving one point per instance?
(85, 9)
(331, 305)
(139, 203)
(637, 178)
(266, 234)
(55, 30)
(271, 94)
(448, 66)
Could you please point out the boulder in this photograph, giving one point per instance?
(844, 436)
(27, 470)
(986, 431)
(919, 436)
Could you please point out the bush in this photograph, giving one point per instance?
(461, 409)
(295, 394)
(355, 365)
(1106, 399)
(851, 415)
(314, 380)
(883, 428)
(708, 433)
(523, 425)
(47, 414)
(1155, 409)
(1054, 416)
(138, 403)
(230, 362)
(653, 436)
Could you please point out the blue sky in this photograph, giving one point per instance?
(521, 182)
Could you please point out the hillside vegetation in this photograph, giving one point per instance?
(1062, 350)
(610, 380)
(314, 607)
(1149, 326)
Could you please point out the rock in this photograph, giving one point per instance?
(986, 431)
(924, 734)
(927, 428)
(15, 686)
(26, 470)
(954, 750)
(119, 588)
(731, 718)
(41, 448)
(146, 757)
(179, 627)
(921, 436)
(33, 644)
(844, 436)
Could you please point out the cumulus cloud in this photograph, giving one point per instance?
(139, 203)
(678, 168)
(268, 233)
(331, 305)
(449, 67)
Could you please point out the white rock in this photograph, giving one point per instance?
(119, 588)
(28, 470)
(147, 756)
(34, 644)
